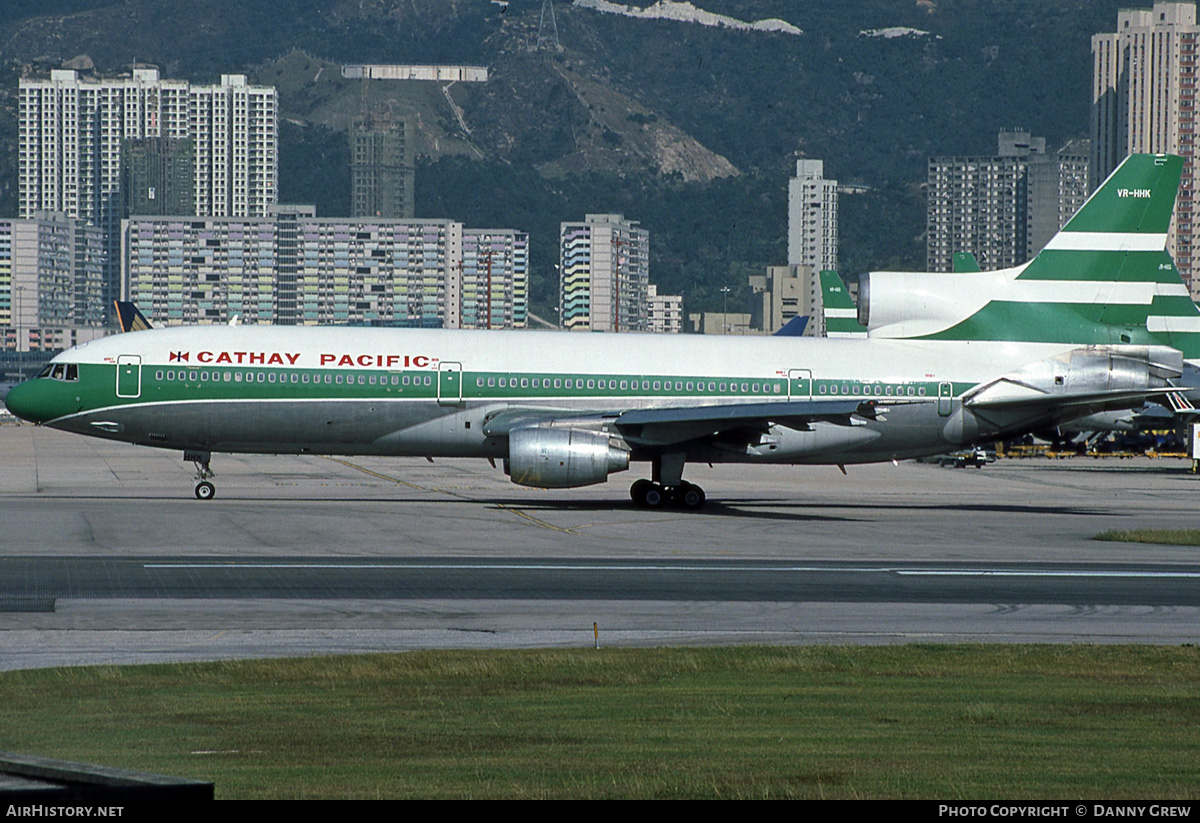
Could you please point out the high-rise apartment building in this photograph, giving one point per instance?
(665, 312)
(812, 217)
(1005, 207)
(605, 264)
(381, 169)
(1056, 188)
(495, 268)
(51, 282)
(72, 129)
(158, 176)
(293, 268)
(1144, 100)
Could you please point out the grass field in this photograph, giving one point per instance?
(1170, 537)
(945, 722)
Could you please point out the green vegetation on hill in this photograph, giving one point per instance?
(314, 167)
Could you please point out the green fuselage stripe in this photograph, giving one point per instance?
(97, 387)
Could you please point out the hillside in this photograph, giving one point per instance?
(687, 116)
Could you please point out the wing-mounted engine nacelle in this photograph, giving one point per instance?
(909, 304)
(1094, 377)
(558, 458)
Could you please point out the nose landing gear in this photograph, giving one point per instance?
(204, 489)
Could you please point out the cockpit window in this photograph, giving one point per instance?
(61, 371)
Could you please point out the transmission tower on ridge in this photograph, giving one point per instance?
(548, 12)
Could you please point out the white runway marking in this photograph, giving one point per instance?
(723, 569)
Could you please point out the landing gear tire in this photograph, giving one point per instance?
(201, 459)
(690, 496)
(637, 492)
(655, 497)
(650, 495)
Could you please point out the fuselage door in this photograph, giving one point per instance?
(449, 384)
(129, 375)
(945, 398)
(800, 384)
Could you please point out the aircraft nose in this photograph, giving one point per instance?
(23, 401)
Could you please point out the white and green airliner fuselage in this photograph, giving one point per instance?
(636, 397)
(568, 409)
(433, 393)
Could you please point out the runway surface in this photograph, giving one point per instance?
(105, 556)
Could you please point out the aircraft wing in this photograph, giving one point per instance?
(1067, 401)
(678, 424)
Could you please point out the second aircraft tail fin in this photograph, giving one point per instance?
(841, 317)
(130, 318)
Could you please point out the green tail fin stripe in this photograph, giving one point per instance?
(1103, 266)
(841, 316)
(1120, 233)
(1137, 198)
(964, 261)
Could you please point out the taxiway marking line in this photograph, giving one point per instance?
(722, 569)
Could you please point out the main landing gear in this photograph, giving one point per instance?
(650, 495)
(667, 487)
(204, 489)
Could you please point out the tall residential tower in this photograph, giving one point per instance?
(812, 217)
(1144, 100)
(1005, 207)
(292, 268)
(72, 130)
(605, 264)
(381, 170)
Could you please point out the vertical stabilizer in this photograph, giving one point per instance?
(130, 318)
(1115, 249)
(964, 261)
(841, 317)
(1105, 278)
